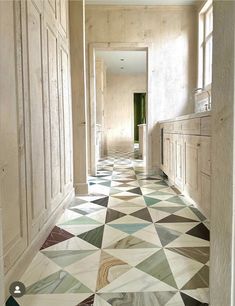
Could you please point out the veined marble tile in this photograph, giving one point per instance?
(188, 241)
(138, 298)
(100, 302)
(86, 270)
(98, 216)
(53, 299)
(110, 269)
(130, 242)
(40, 268)
(80, 228)
(179, 227)
(136, 281)
(176, 301)
(183, 268)
(200, 294)
(130, 228)
(187, 213)
(68, 215)
(157, 215)
(129, 219)
(74, 243)
(149, 234)
(111, 236)
(131, 256)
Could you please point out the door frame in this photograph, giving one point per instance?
(93, 47)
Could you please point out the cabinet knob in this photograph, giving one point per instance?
(198, 144)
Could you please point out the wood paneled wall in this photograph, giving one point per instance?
(36, 138)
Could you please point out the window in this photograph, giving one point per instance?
(205, 46)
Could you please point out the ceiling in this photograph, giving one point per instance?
(124, 62)
(141, 2)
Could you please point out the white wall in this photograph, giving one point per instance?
(119, 110)
(172, 33)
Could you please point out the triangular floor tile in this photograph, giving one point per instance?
(113, 215)
(59, 282)
(183, 268)
(135, 281)
(177, 200)
(200, 231)
(88, 301)
(138, 298)
(57, 235)
(131, 242)
(200, 280)
(129, 228)
(81, 220)
(170, 210)
(143, 214)
(157, 265)
(200, 254)
(189, 301)
(110, 269)
(151, 201)
(166, 235)
(174, 219)
(94, 236)
(175, 301)
(200, 294)
(99, 301)
(130, 256)
(128, 219)
(149, 234)
(12, 302)
(136, 190)
(66, 258)
(188, 241)
(102, 201)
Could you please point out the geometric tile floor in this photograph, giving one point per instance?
(133, 241)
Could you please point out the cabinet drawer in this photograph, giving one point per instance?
(206, 126)
(178, 127)
(191, 126)
(169, 127)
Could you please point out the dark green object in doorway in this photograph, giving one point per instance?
(139, 112)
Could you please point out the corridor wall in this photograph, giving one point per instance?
(36, 178)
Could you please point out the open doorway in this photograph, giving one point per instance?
(140, 123)
(118, 75)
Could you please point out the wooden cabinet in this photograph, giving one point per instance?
(186, 158)
(179, 161)
(192, 167)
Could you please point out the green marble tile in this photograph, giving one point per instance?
(59, 282)
(81, 220)
(151, 201)
(129, 228)
(131, 242)
(94, 236)
(166, 235)
(157, 265)
(67, 257)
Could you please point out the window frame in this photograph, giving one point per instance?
(203, 39)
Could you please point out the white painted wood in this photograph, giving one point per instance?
(179, 161)
(142, 140)
(36, 146)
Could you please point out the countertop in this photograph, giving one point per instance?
(189, 116)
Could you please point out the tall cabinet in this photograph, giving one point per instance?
(36, 139)
(186, 156)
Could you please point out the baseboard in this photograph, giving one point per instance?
(81, 188)
(25, 259)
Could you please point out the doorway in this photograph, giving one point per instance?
(139, 113)
(94, 48)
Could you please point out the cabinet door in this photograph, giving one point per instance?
(179, 161)
(192, 167)
(166, 148)
(205, 155)
(12, 157)
(171, 159)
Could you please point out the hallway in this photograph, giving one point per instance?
(132, 241)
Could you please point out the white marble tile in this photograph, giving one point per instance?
(112, 235)
(79, 229)
(128, 220)
(149, 234)
(188, 241)
(72, 244)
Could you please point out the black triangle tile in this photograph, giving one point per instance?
(189, 301)
(113, 215)
(143, 214)
(175, 219)
(200, 231)
(199, 280)
(94, 236)
(136, 190)
(88, 301)
(12, 302)
(102, 201)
